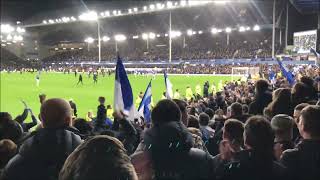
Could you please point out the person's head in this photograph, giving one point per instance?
(307, 81)
(282, 126)
(109, 106)
(309, 124)
(141, 94)
(9, 129)
(82, 125)
(42, 98)
(209, 112)
(165, 111)
(258, 135)
(245, 109)
(102, 100)
(5, 117)
(236, 109)
(177, 90)
(7, 150)
(193, 122)
(100, 157)
(183, 108)
(261, 86)
(204, 119)
(297, 111)
(55, 113)
(300, 93)
(233, 131)
(219, 112)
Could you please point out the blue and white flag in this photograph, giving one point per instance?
(317, 56)
(286, 73)
(169, 92)
(123, 97)
(145, 106)
(272, 76)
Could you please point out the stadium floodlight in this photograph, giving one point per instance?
(80, 47)
(135, 9)
(114, 12)
(119, 12)
(160, 6)
(152, 6)
(242, 29)
(3, 45)
(200, 32)
(17, 38)
(228, 30)
(256, 28)
(165, 34)
(105, 38)
(6, 28)
(189, 32)
(20, 30)
(65, 19)
(152, 35)
(174, 34)
(107, 13)
(9, 37)
(194, 32)
(183, 3)
(129, 11)
(169, 4)
(158, 35)
(44, 22)
(135, 37)
(102, 14)
(145, 36)
(51, 21)
(73, 18)
(56, 49)
(89, 40)
(22, 44)
(18, 22)
(120, 37)
(64, 48)
(89, 16)
(214, 30)
(72, 48)
(248, 28)
(145, 8)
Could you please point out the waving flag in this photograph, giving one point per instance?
(317, 56)
(169, 92)
(123, 97)
(145, 105)
(286, 73)
(272, 76)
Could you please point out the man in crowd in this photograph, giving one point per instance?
(262, 98)
(42, 155)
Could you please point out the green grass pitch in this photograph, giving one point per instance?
(16, 87)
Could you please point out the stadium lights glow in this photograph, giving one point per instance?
(64, 48)
(72, 48)
(200, 32)
(144, 36)
(220, 2)
(107, 13)
(44, 22)
(160, 6)
(89, 16)
(102, 14)
(3, 45)
(256, 28)
(135, 9)
(105, 38)
(20, 30)
(194, 32)
(114, 12)
(129, 11)
(189, 32)
(89, 40)
(80, 47)
(152, 35)
(135, 37)
(120, 37)
(169, 4)
(145, 8)
(242, 29)
(248, 28)
(9, 37)
(152, 6)
(166, 35)
(65, 19)
(119, 12)
(6, 28)
(18, 22)
(22, 44)
(228, 30)
(214, 30)
(158, 35)
(183, 3)
(56, 49)
(51, 21)
(17, 38)
(174, 34)
(73, 18)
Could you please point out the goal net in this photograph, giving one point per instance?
(244, 72)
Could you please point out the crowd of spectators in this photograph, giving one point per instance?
(246, 130)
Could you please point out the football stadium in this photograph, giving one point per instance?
(145, 89)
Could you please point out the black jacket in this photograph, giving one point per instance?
(42, 155)
(260, 102)
(172, 155)
(249, 165)
(303, 162)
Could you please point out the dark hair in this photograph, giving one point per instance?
(236, 109)
(181, 104)
(101, 99)
(10, 129)
(245, 109)
(204, 119)
(165, 111)
(261, 86)
(193, 121)
(97, 157)
(310, 119)
(299, 107)
(281, 103)
(7, 150)
(300, 93)
(210, 112)
(83, 126)
(259, 135)
(233, 130)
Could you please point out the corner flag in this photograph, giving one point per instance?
(145, 105)
(123, 97)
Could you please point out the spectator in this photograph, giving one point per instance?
(46, 150)
(10, 129)
(303, 162)
(100, 157)
(282, 126)
(296, 116)
(100, 122)
(183, 108)
(281, 103)
(193, 122)
(7, 150)
(245, 109)
(73, 107)
(207, 131)
(169, 138)
(262, 98)
(256, 162)
(83, 126)
(237, 112)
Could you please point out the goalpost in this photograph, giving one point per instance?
(244, 72)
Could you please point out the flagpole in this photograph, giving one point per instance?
(273, 27)
(170, 40)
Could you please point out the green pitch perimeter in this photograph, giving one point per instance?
(16, 86)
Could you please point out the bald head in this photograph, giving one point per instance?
(55, 113)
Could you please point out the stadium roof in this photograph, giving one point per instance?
(307, 6)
